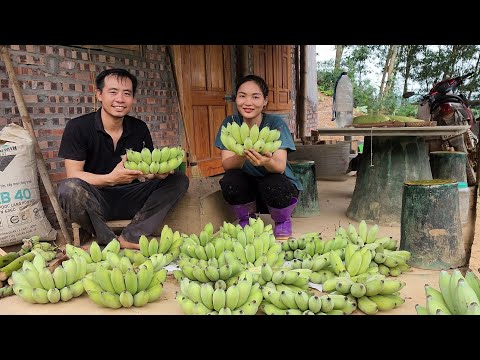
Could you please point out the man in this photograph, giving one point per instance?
(98, 188)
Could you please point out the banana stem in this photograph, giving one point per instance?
(8, 258)
(16, 264)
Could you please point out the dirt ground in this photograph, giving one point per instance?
(334, 197)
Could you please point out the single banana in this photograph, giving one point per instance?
(154, 292)
(367, 306)
(53, 295)
(66, 293)
(95, 252)
(126, 299)
(77, 288)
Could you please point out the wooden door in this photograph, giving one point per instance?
(206, 81)
(273, 63)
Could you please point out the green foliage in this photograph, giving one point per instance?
(422, 65)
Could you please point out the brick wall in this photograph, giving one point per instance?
(58, 84)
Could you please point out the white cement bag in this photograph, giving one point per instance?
(21, 211)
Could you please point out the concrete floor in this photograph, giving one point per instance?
(334, 198)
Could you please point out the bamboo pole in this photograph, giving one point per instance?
(27, 124)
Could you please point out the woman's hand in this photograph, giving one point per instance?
(258, 159)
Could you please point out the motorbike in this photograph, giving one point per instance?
(446, 106)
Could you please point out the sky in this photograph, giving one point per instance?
(325, 52)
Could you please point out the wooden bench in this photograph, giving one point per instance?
(114, 224)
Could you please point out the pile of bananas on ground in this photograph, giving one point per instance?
(207, 257)
(353, 263)
(158, 161)
(242, 297)
(288, 302)
(161, 251)
(362, 252)
(458, 295)
(224, 261)
(13, 261)
(35, 283)
(239, 138)
(125, 285)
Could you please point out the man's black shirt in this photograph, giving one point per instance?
(85, 139)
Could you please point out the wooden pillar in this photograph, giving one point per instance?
(243, 65)
(302, 92)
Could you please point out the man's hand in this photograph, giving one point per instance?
(120, 175)
(258, 159)
(143, 177)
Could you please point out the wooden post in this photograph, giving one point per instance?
(27, 124)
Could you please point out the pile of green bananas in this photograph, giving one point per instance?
(310, 252)
(167, 245)
(158, 161)
(286, 302)
(373, 292)
(284, 277)
(239, 138)
(36, 284)
(210, 258)
(242, 297)
(458, 295)
(125, 285)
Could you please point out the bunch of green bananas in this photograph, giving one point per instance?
(213, 269)
(94, 254)
(168, 243)
(458, 295)
(35, 283)
(287, 302)
(267, 275)
(373, 292)
(125, 285)
(158, 161)
(239, 138)
(253, 245)
(242, 297)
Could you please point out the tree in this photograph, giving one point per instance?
(338, 55)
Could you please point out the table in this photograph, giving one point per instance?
(396, 131)
(391, 156)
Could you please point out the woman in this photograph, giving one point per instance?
(253, 178)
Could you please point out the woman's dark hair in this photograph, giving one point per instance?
(118, 73)
(257, 80)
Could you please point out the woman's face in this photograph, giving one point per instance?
(250, 101)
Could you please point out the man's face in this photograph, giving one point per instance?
(116, 96)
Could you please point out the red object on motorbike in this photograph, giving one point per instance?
(447, 111)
